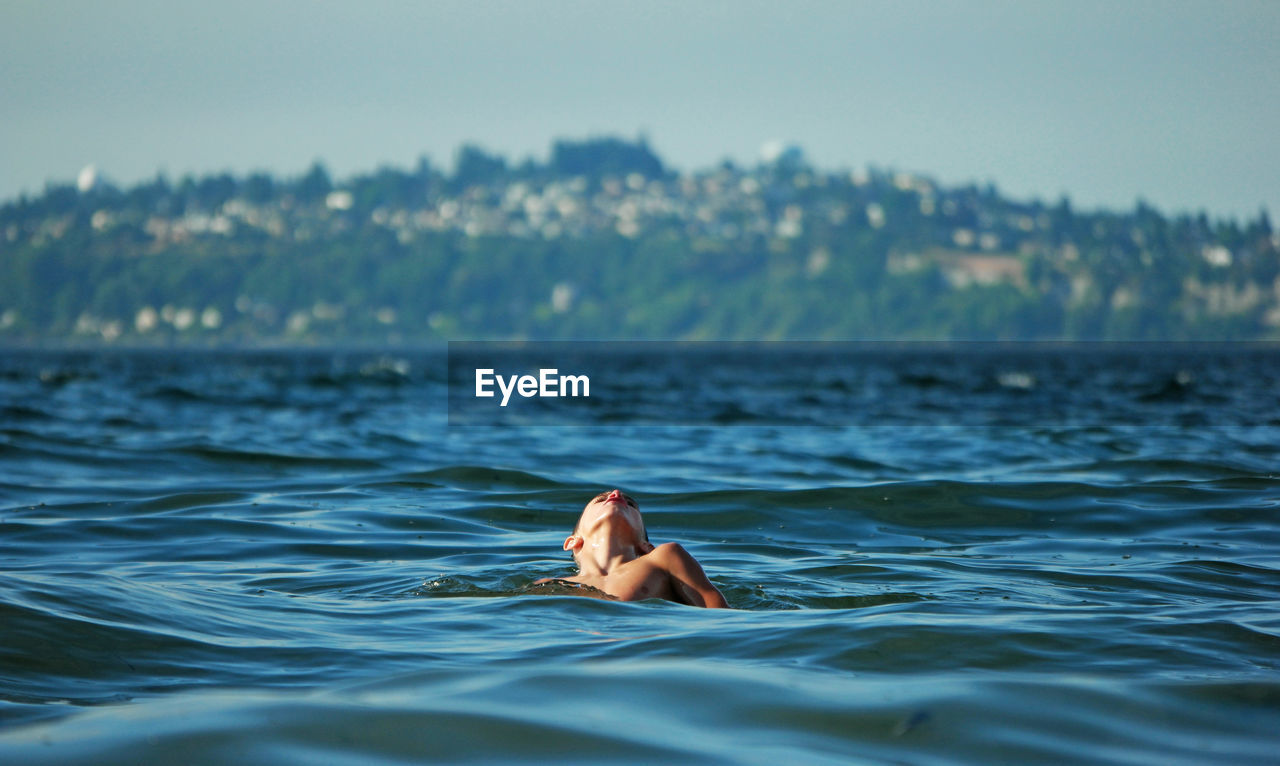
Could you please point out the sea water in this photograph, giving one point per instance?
(1036, 555)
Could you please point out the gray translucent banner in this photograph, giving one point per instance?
(863, 384)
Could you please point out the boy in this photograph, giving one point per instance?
(614, 556)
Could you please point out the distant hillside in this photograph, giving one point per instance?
(604, 241)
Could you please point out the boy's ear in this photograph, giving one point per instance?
(573, 543)
(646, 546)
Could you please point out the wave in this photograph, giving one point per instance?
(298, 559)
(673, 711)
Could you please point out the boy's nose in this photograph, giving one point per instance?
(614, 495)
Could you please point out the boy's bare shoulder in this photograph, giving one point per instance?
(673, 558)
(687, 580)
(669, 550)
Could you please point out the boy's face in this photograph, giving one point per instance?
(615, 506)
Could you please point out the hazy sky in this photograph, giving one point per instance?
(1174, 102)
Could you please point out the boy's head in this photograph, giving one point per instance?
(612, 512)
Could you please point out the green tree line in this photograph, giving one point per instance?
(877, 258)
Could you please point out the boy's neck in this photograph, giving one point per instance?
(601, 555)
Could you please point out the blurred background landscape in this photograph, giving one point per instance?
(409, 173)
(603, 241)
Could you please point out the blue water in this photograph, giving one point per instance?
(291, 557)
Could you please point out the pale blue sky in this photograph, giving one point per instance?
(1175, 102)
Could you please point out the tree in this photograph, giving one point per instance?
(598, 157)
(314, 186)
(259, 188)
(474, 166)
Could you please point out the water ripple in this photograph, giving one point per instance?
(292, 558)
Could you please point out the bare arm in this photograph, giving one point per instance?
(688, 581)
